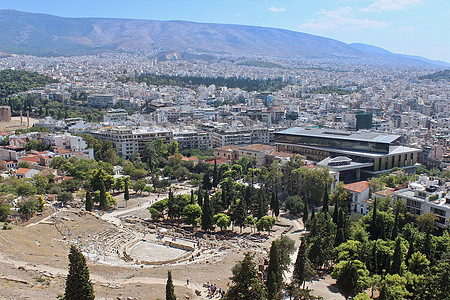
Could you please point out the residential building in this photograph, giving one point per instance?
(427, 195)
(192, 139)
(129, 141)
(101, 101)
(359, 192)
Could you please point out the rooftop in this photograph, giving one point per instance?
(342, 135)
(357, 187)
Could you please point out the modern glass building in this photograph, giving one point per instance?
(376, 153)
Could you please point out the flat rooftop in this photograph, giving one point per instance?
(342, 135)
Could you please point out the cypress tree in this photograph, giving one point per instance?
(373, 230)
(192, 197)
(340, 220)
(78, 283)
(240, 214)
(260, 208)
(305, 213)
(427, 244)
(215, 174)
(274, 281)
(199, 198)
(374, 263)
(340, 237)
(277, 206)
(313, 213)
(103, 203)
(206, 182)
(303, 270)
(395, 227)
(272, 203)
(170, 291)
(207, 215)
(387, 264)
(126, 194)
(89, 201)
(335, 213)
(397, 258)
(410, 252)
(171, 205)
(326, 200)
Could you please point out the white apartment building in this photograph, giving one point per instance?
(235, 136)
(115, 115)
(129, 141)
(426, 195)
(101, 101)
(191, 139)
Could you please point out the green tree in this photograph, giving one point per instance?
(89, 201)
(41, 183)
(373, 229)
(5, 211)
(139, 185)
(239, 214)
(274, 281)
(222, 221)
(207, 216)
(126, 193)
(393, 287)
(102, 199)
(303, 269)
(305, 213)
(246, 283)
(170, 290)
(351, 277)
(206, 183)
(27, 208)
(119, 184)
(325, 200)
(65, 197)
(418, 263)
(192, 214)
(171, 205)
(397, 258)
(215, 175)
(294, 204)
(265, 224)
(24, 164)
(78, 284)
(199, 198)
(26, 189)
(275, 204)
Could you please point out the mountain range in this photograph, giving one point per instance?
(42, 34)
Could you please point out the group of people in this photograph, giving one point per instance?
(213, 290)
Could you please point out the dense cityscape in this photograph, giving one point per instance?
(189, 174)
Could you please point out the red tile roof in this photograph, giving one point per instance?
(357, 187)
(22, 170)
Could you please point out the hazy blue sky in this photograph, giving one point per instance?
(417, 27)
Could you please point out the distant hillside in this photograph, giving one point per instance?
(41, 34)
(445, 74)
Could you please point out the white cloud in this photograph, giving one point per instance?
(381, 5)
(277, 9)
(340, 20)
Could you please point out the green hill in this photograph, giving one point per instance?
(445, 74)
